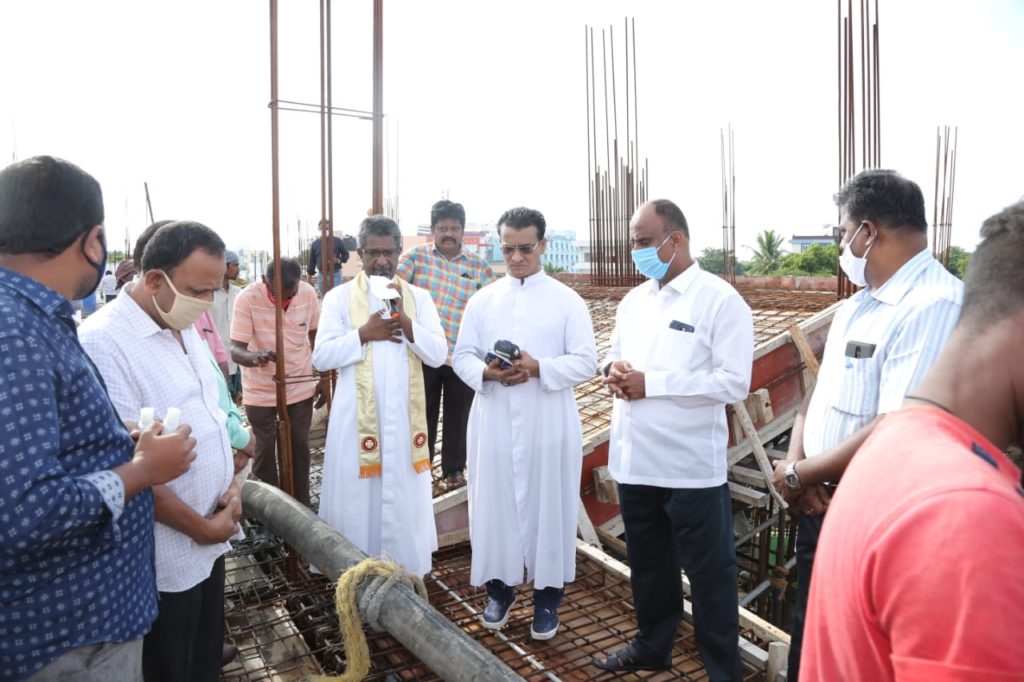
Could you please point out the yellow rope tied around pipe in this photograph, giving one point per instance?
(383, 574)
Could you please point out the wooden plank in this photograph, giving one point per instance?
(740, 493)
(748, 476)
(614, 526)
(605, 487)
(451, 499)
(768, 432)
(611, 542)
(586, 529)
(775, 454)
(760, 403)
(759, 454)
(778, 657)
(804, 346)
(748, 620)
(452, 538)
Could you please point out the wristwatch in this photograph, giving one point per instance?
(790, 476)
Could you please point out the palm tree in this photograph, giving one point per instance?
(767, 254)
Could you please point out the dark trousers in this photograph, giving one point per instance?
(668, 529)
(264, 462)
(186, 640)
(808, 528)
(458, 398)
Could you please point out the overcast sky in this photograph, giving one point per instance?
(486, 102)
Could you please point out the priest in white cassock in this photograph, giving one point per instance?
(376, 481)
(524, 440)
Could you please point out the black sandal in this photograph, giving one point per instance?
(625, 660)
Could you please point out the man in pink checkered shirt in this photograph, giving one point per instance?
(451, 275)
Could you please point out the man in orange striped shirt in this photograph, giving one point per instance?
(253, 340)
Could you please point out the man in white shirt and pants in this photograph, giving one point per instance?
(524, 438)
(146, 348)
(880, 345)
(681, 351)
(377, 480)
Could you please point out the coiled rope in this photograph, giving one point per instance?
(382, 574)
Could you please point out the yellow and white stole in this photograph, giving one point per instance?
(366, 398)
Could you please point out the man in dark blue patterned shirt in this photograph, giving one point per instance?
(77, 590)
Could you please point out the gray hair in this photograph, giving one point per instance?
(381, 226)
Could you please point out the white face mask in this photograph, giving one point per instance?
(184, 311)
(855, 266)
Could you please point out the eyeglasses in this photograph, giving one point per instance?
(454, 229)
(374, 254)
(525, 249)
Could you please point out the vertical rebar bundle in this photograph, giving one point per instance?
(728, 205)
(284, 427)
(326, 153)
(378, 107)
(942, 217)
(870, 143)
(615, 191)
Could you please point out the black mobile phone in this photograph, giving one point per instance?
(859, 349)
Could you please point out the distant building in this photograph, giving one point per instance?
(562, 251)
(801, 243)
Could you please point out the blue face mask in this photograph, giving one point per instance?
(648, 263)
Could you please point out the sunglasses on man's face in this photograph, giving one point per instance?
(525, 249)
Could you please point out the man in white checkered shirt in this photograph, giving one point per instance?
(882, 342)
(145, 346)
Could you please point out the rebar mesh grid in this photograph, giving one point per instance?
(287, 629)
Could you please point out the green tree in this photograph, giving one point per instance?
(958, 260)
(115, 256)
(816, 261)
(712, 260)
(768, 253)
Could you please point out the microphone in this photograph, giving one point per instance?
(392, 303)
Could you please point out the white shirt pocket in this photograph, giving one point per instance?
(858, 390)
(675, 349)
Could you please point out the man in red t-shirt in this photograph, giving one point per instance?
(917, 576)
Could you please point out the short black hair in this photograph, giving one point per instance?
(291, 272)
(672, 215)
(521, 217)
(994, 282)
(447, 209)
(884, 197)
(45, 205)
(140, 243)
(174, 242)
(381, 226)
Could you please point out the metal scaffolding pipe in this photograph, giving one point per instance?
(427, 634)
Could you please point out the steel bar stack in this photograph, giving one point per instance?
(942, 217)
(869, 121)
(619, 186)
(728, 205)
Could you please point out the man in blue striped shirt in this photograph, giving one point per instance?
(881, 343)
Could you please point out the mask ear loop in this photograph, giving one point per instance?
(849, 244)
